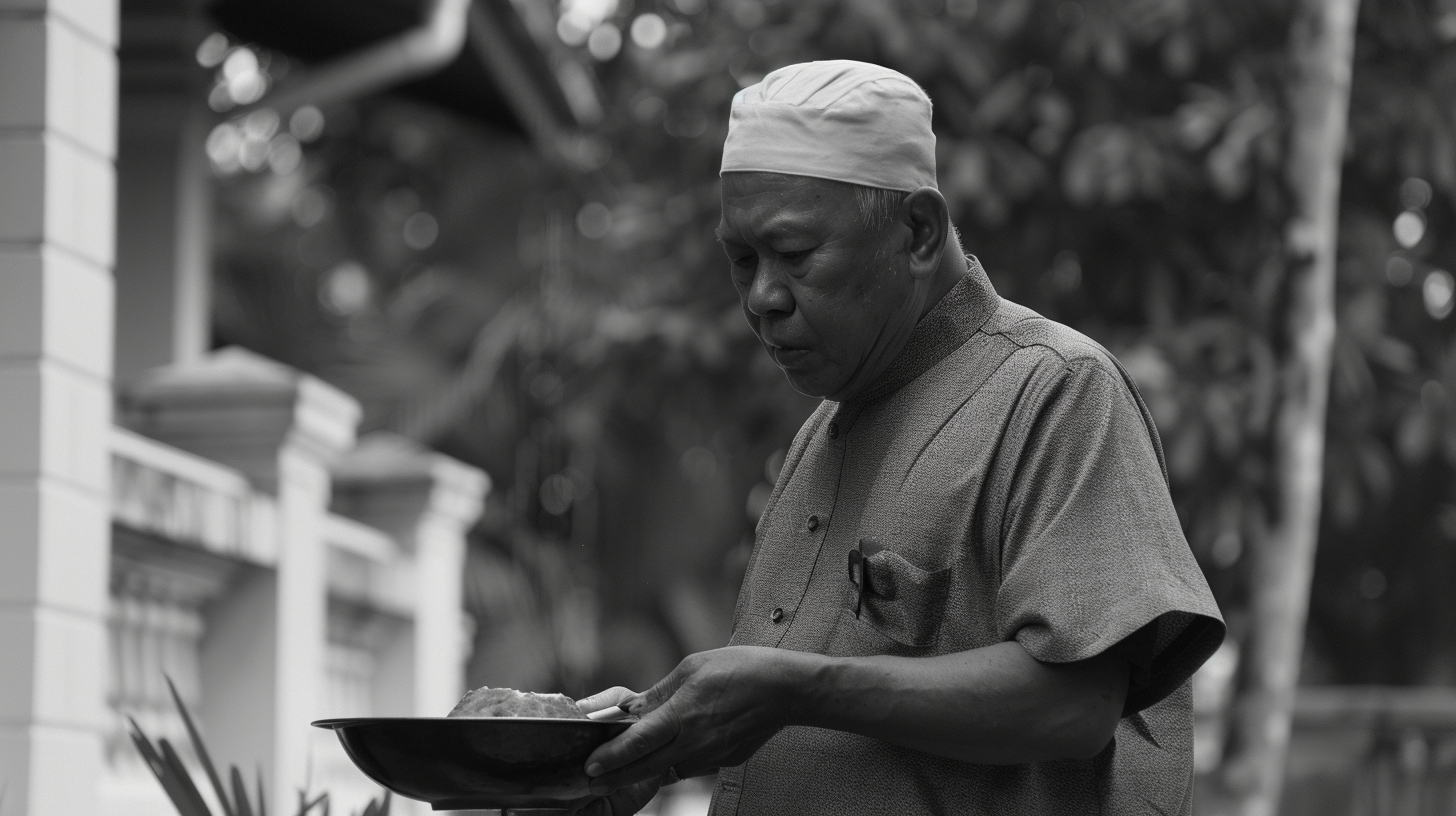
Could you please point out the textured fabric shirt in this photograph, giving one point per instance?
(1001, 481)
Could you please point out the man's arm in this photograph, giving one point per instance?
(994, 705)
(997, 705)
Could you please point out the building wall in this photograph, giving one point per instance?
(57, 181)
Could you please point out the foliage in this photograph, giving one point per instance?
(167, 765)
(1116, 164)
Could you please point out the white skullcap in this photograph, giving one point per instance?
(839, 119)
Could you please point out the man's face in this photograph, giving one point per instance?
(831, 301)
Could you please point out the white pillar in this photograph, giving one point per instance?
(163, 246)
(263, 651)
(57, 145)
(427, 502)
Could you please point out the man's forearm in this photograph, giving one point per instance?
(995, 705)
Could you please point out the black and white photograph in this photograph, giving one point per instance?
(727, 407)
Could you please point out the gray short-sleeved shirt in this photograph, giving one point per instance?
(1014, 487)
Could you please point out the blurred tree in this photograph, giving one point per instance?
(1318, 94)
(1120, 165)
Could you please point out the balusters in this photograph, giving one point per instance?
(155, 632)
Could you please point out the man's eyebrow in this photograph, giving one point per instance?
(788, 223)
(776, 227)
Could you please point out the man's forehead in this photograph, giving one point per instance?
(776, 202)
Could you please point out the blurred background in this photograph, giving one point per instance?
(476, 237)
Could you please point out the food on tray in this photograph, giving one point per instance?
(504, 702)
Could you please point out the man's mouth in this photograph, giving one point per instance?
(786, 356)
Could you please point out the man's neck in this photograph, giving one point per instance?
(953, 267)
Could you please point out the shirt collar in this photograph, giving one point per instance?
(959, 315)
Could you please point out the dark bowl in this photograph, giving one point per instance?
(482, 763)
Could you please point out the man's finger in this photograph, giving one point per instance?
(653, 698)
(653, 768)
(652, 732)
(610, 698)
(629, 800)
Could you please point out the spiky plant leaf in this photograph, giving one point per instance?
(305, 806)
(170, 784)
(262, 802)
(240, 793)
(201, 749)
(192, 803)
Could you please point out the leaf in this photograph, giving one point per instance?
(200, 748)
(262, 802)
(191, 803)
(305, 806)
(148, 752)
(240, 793)
(170, 784)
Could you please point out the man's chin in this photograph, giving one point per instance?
(809, 383)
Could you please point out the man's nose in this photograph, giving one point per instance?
(768, 294)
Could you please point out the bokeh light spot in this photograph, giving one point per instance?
(421, 230)
(749, 13)
(604, 42)
(223, 144)
(1415, 193)
(261, 124)
(1227, 549)
(346, 289)
(1437, 291)
(557, 493)
(310, 206)
(213, 50)
(1372, 584)
(306, 123)
(649, 31)
(1409, 228)
(594, 220)
(284, 154)
(573, 29)
(241, 62)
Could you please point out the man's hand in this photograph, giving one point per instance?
(621, 802)
(993, 705)
(714, 710)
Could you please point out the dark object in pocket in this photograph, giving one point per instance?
(901, 600)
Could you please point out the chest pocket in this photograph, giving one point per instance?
(899, 599)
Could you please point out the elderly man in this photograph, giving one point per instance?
(970, 592)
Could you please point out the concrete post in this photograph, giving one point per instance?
(263, 650)
(164, 223)
(427, 502)
(57, 145)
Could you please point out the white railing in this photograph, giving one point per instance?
(174, 495)
(266, 608)
(367, 567)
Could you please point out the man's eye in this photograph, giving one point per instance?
(796, 255)
(745, 262)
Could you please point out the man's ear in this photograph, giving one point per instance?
(928, 217)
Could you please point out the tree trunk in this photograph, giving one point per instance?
(1320, 50)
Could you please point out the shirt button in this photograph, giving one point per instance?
(776, 615)
(813, 523)
(834, 430)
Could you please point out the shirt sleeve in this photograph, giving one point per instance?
(1093, 555)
